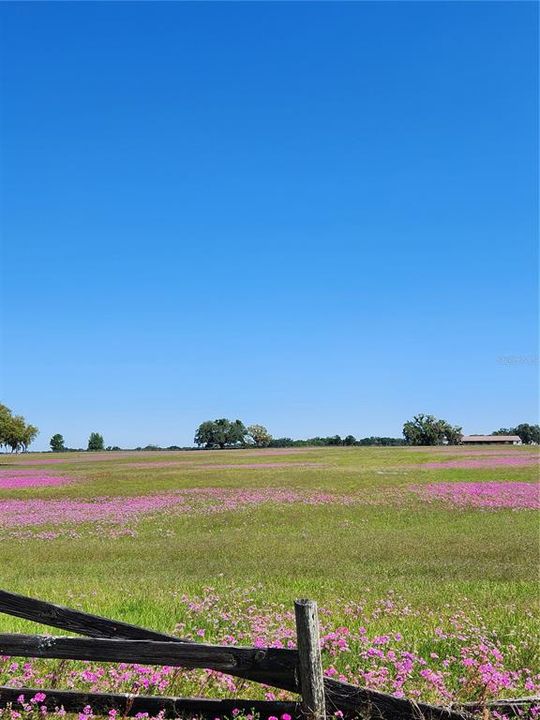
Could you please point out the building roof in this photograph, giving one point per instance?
(491, 438)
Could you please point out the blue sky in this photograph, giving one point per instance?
(321, 217)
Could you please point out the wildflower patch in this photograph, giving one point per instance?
(16, 480)
(516, 495)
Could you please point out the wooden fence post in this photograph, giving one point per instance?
(309, 659)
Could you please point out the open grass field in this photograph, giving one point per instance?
(423, 561)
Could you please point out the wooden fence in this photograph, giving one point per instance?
(298, 671)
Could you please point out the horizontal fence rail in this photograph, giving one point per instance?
(361, 702)
(129, 705)
(509, 706)
(292, 670)
(224, 658)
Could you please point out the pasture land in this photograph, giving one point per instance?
(432, 553)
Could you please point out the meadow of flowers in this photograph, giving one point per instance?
(17, 514)
(422, 568)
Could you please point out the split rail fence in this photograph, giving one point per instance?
(298, 671)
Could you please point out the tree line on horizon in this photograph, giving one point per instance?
(17, 435)
(422, 430)
(223, 433)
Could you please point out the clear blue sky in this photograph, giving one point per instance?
(319, 217)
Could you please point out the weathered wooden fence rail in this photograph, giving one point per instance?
(268, 662)
(297, 671)
(130, 705)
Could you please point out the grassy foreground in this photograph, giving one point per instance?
(340, 525)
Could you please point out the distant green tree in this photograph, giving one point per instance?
(221, 433)
(259, 435)
(57, 443)
(207, 434)
(349, 440)
(21, 434)
(29, 435)
(529, 434)
(236, 434)
(5, 419)
(428, 430)
(15, 432)
(95, 441)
